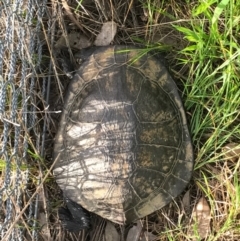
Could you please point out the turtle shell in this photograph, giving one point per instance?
(123, 147)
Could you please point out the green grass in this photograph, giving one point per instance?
(212, 91)
(203, 44)
(202, 38)
(212, 100)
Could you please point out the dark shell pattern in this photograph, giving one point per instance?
(123, 147)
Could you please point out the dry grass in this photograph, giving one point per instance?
(144, 23)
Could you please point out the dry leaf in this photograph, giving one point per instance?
(148, 237)
(145, 15)
(45, 231)
(135, 232)
(111, 233)
(107, 34)
(43, 216)
(76, 40)
(231, 151)
(201, 220)
(186, 201)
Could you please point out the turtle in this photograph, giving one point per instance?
(123, 149)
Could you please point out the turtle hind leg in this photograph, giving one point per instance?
(67, 65)
(74, 218)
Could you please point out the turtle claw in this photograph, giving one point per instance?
(74, 218)
(67, 66)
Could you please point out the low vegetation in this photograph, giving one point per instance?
(200, 42)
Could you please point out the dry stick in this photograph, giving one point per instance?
(101, 8)
(70, 15)
(29, 202)
(129, 8)
(49, 44)
(22, 219)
